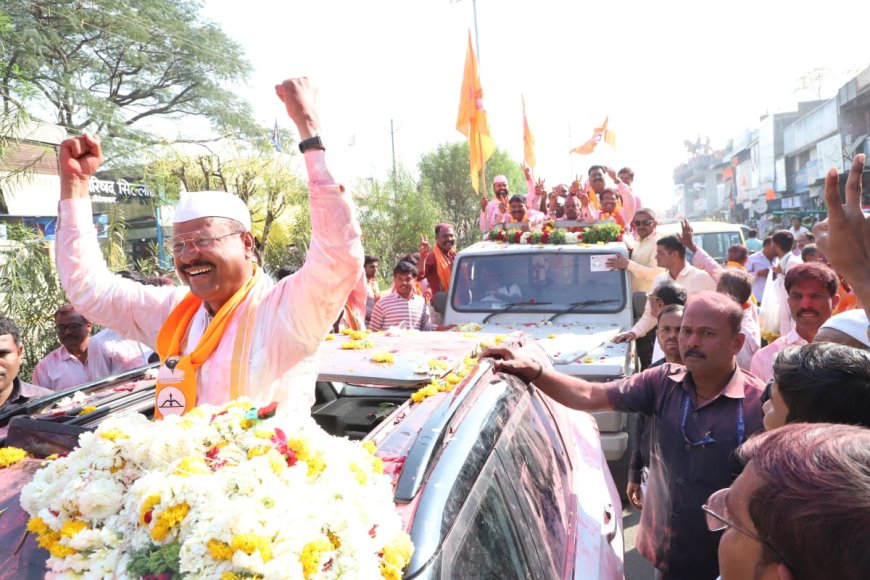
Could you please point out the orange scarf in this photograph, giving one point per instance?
(732, 264)
(511, 219)
(443, 268)
(176, 383)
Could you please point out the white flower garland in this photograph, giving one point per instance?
(217, 493)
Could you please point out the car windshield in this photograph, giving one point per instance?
(541, 282)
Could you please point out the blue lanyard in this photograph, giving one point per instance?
(741, 424)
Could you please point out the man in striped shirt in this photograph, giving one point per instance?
(402, 307)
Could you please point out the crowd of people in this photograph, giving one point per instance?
(751, 460)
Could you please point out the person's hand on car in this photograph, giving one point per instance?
(634, 493)
(617, 261)
(625, 337)
(507, 360)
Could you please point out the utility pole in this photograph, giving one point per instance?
(393, 146)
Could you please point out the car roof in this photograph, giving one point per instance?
(412, 352)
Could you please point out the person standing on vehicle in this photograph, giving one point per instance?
(492, 211)
(700, 413)
(642, 265)
(231, 332)
(14, 391)
(670, 255)
(668, 333)
(438, 261)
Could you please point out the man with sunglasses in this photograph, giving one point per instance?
(801, 507)
(67, 365)
(230, 331)
(642, 265)
(699, 414)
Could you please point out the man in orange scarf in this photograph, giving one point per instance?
(438, 267)
(232, 331)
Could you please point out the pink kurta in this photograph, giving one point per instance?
(292, 316)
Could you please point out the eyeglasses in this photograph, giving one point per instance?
(638, 223)
(718, 517)
(73, 326)
(177, 245)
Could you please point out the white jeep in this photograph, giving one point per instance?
(564, 297)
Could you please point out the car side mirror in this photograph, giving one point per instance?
(439, 302)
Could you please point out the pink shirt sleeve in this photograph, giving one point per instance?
(703, 261)
(629, 203)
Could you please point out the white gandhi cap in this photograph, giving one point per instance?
(851, 322)
(201, 204)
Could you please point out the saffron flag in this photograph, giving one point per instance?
(599, 134)
(528, 139)
(472, 119)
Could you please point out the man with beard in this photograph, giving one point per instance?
(812, 296)
(595, 187)
(521, 213)
(700, 413)
(231, 331)
(438, 263)
(492, 211)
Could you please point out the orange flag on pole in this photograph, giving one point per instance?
(472, 119)
(599, 134)
(528, 139)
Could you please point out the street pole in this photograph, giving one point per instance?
(476, 35)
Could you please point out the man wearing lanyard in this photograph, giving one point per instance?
(700, 413)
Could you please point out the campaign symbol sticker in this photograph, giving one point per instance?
(171, 401)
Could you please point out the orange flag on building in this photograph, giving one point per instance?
(599, 134)
(528, 139)
(472, 119)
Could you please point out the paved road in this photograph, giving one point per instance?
(636, 568)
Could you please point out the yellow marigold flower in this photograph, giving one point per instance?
(250, 543)
(383, 357)
(370, 446)
(377, 465)
(551, 336)
(329, 337)
(150, 502)
(192, 466)
(358, 473)
(469, 361)
(113, 434)
(37, 526)
(500, 338)
(52, 457)
(230, 575)
(334, 539)
(11, 455)
(357, 344)
(168, 519)
(219, 550)
(277, 462)
(453, 378)
(316, 465)
(427, 391)
(311, 555)
(71, 528)
(397, 553)
(258, 451)
(247, 423)
(86, 410)
(58, 550)
(468, 335)
(438, 364)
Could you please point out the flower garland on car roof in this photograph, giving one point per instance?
(548, 234)
(222, 492)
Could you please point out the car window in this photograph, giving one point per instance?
(544, 282)
(540, 474)
(490, 547)
(716, 244)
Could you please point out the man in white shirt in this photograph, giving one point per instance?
(797, 229)
(670, 255)
(812, 297)
(783, 243)
(759, 266)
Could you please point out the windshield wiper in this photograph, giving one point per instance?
(511, 307)
(579, 306)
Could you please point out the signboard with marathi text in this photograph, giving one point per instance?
(103, 191)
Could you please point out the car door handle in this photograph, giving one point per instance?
(610, 523)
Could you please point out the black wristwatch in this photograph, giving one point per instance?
(311, 143)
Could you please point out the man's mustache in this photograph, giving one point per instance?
(695, 353)
(808, 311)
(197, 264)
